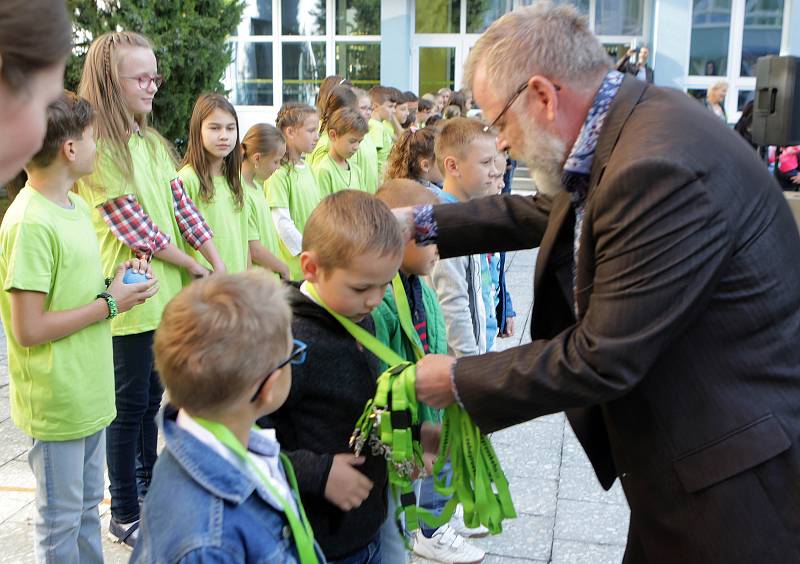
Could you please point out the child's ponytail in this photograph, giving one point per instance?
(408, 151)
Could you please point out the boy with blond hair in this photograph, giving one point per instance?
(55, 308)
(465, 154)
(220, 491)
(352, 249)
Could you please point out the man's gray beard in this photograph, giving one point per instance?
(545, 155)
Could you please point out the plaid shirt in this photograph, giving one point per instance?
(130, 224)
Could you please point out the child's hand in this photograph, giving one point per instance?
(197, 270)
(139, 265)
(129, 295)
(347, 488)
(509, 332)
(283, 271)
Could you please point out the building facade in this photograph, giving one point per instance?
(284, 48)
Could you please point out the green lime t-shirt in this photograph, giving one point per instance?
(366, 159)
(293, 186)
(153, 170)
(333, 178)
(227, 221)
(61, 390)
(382, 140)
(259, 219)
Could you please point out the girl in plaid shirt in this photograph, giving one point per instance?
(139, 210)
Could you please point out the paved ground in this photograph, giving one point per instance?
(565, 517)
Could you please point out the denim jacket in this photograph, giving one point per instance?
(202, 508)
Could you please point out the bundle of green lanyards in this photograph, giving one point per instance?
(390, 426)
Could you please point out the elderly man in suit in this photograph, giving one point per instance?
(667, 304)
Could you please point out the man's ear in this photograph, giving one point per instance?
(543, 96)
(309, 264)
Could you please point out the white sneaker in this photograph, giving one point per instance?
(447, 546)
(457, 522)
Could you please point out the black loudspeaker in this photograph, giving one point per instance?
(776, 110)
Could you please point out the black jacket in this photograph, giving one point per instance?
(328, 394)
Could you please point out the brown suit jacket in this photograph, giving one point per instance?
(680, 373)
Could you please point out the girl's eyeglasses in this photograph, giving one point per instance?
(297, 356)
(145, 81)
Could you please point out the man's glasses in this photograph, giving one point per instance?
(145, 81)
(297, 356)
(511, 101)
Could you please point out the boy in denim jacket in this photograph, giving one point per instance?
(220, 491)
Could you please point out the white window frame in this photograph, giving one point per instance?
(463, 41)
(736, 82)
(278, 40)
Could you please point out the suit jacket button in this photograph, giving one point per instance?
(287, 532)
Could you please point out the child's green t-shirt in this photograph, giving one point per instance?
(153, 170)
(293, 186)
(366, 159)
(62, 390)
(333, 178)
(227, 221)
(382, 140)
(259, 220)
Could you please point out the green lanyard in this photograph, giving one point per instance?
(301, 529)
(479, 483)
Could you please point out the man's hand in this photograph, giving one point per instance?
(430, 435)
(434, 386)
(347, 488)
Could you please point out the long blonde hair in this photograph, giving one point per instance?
(100, 85)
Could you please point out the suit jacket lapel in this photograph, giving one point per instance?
(558, 215)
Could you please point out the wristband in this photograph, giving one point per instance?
(113, 311)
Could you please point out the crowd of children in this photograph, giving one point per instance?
(248, 251)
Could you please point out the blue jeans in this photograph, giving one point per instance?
(393, 548)
(69, 487)
(370, 554)
(131, 438)
(432, 500)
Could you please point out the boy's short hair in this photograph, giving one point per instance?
(67, 118)
(456, 135)
(403, 193)
(351, 223)
(346, 120)
(381, 94)
(221, 335)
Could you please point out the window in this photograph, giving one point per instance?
(278, 61)
(438, 16)
(481, 13)
(437, 68)
(763, 23)
(728, 37)
(250, 75)
(711, 27)
(618, 17)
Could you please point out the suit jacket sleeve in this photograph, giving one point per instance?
(658, 250)
(497, 223)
